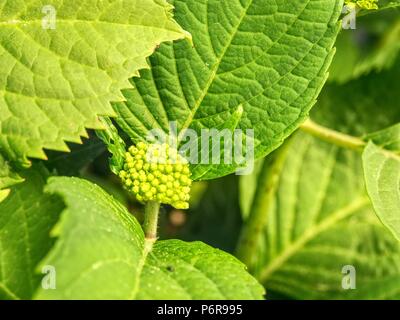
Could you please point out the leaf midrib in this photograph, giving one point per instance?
(147, 248)
(3, 286)
(311, 233)
(210, 81)
(214, 71)
(8, 292)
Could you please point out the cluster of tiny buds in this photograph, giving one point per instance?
(157, 172)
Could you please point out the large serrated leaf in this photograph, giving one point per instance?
(55, 82)
(270, 58)
(101, 253)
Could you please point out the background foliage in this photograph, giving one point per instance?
(324, 194)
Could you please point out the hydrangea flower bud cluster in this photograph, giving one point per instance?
(157, 172)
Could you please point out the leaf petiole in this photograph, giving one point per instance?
(332, 136)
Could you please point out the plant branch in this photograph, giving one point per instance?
(267, 182)
(150, 223)
(332, 136)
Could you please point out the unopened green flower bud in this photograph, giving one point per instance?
(145, 187)
(157, 172)
(155, 182)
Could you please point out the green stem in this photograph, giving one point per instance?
(150, 224)
(332, 136)
(267, 182)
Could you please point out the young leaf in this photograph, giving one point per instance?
(26, 218)
(319, 223)
(64, 62)
(115, 145)
(270, 58)
(382, 176)
(101, 253)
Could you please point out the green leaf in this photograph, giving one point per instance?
(389, 138)
(372, 46)
(4, 194)
(247, 188)
(321, 220)
(180, 270)
(115, 144)
(361, 106)
(388, 4)
(101, 253)
(269, 58)
(26, 218)
(382, 176)
(261, 191)
(8, 177)
(80, 156)
(100, 248)
(56, 82)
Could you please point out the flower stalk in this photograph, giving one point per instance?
(150, 224)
